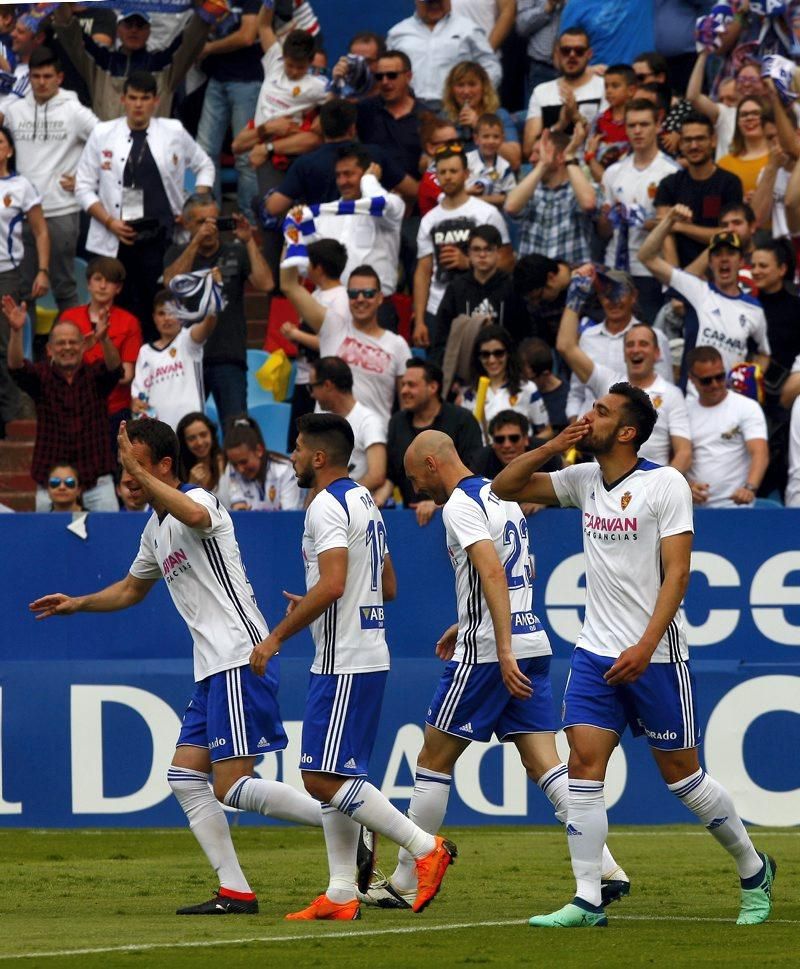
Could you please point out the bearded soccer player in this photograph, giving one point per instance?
(233, 715)
(630, 664)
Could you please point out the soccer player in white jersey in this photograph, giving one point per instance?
(497, 678)
(233, 715)
(348, 576)
(630, 664)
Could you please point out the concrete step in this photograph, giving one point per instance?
(15, 455)
(21, 430)
(19, 500)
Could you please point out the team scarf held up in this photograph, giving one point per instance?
(299, 227)
(199, 289)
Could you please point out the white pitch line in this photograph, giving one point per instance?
(349, 934)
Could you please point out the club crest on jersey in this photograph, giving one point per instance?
(271, 493)
(657, 400)
(7, 200)
(371, 617)
(625, 500)
(173, 351)
(296, 90)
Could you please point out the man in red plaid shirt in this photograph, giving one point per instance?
(71, 407)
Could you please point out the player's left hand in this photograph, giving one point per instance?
(517, 684)
(293, 600)
(446, 645)
(629, 667)
(262, 654)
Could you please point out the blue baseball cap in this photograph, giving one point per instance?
(128, 13)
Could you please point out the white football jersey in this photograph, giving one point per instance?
(670, 405)
(528, 402)
(473, 513)
(280, 491)
(171, 377)
(623, 526)
(206, 578)
(349, 636)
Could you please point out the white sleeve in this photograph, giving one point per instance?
(570, 484)
(754, 424)
(535, 410)
(236, 494)
(30, 196)
(601, 378)
(198, 162)
(534, 108)
(326, 521)
(146, 564)
(401, 354)
(687, 285)
(425, 238)
(497, 220)
(465, 519)
(85, 122)
(217, 513)
(679, 425)
(673, 501)
(576, 397)
(291, 498)
(760, 335)
(373, 430)
(136, 383)
(87, 174)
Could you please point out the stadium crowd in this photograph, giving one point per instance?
(475, 223)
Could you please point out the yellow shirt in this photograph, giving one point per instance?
(748, 170)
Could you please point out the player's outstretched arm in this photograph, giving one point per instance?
(518, 481)
(332, 577)
(676, 553)
(494, 584)
(121, 595)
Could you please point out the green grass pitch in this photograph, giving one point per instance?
(116, 891)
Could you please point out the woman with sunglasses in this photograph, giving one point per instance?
(64, 488)
(494, 357)
(201, 460)
(469, 93)
(749, 150)
(258, 479)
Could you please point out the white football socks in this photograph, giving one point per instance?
(274, 800)
(341, 843)
(362, 802)
(712, 804)
(427, 810)
(587, 829)
(209, 825)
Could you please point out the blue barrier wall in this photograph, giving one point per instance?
(90, 705)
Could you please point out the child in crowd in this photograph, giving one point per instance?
(491, 177)
(257, 479)
(608, 142)
(104, 279)
(64, 488)
(168, 380)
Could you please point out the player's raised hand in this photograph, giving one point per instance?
(571, 436)
(293, 600)
(517, 684)
(55, 604)
(629, 667)
(446, 644)
(127, 458)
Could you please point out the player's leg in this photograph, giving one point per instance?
(665, 706)
(243, 722)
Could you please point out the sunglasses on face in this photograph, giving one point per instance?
(488, 354)
(70, 482)
(389, 75)
(510, 438)
(714, 378)
(369, 293)
(577, 51)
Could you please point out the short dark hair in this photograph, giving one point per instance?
(336, 370)
(576, 31)
(743, 207)
(11, 163)
(161, 440)
(243, 430)
(398, 55)
(694, 117)
(44, 57)
(623, 70)
(510, 417)
(433, 373)
(329, 255)
(354, 150)
(655, 61)
(186, 458)
(369, 37)
(489, 120)
(142, 81)
(642, 104)
(537, 354)
(450, 151)
(702, 355)
(638, 410)
(489, 233)
(162, 298)
(299, 46)
(782, 250)
(106, 266)
(531, 272)
(643, 325)
(329, 433)
(661, 91)
(365, 270)
(337, 117)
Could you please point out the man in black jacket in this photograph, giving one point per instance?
(485, 289)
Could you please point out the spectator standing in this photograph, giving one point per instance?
(554, 200)
(702, 187)
(105, 70)
(577, 89)
(231, 60)
(71, 408)
(104, 278)
(20, 201)
(538, 21)
(331, 386)
(50, 127)
(494, 17)
(130, 180)
(26, 36)
(729, 437)
(435, 39)
(444, 236)
(422, 409)
(435, 133)
(629, 192)
(608, 138)
(239, 261)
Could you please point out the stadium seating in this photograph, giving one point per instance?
(273, 419)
